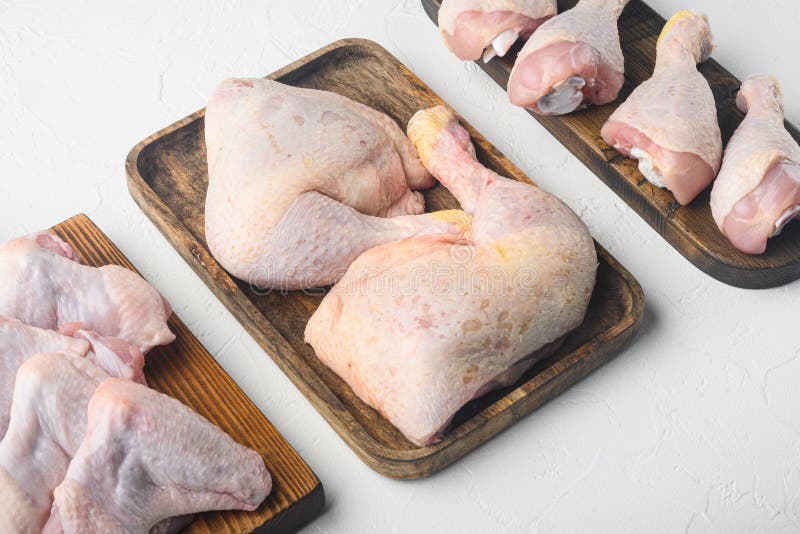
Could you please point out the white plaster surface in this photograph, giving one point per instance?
(694, 427)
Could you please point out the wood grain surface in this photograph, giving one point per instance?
(186, 371)
(690, 229)
(167, 176)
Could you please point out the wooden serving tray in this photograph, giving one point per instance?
(167, 176)
(690, 229)
(186, 371)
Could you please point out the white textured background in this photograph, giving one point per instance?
(695, 426)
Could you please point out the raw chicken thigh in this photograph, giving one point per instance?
(147, 457)
(420, 327)
(45, 286)
(669, 123)
(757, 191)
(302, 181)
(471, 28)
(48, 422)
(571, 61)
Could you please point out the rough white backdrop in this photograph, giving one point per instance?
(695, 426)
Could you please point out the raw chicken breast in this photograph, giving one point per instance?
(147, 457)
(47, 288)
(669, 123)
(419, 327)
(571, 61)
(302, 181)
(488, 28)
(757, 191)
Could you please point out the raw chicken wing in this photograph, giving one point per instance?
(19, 341)
(669, 123)
(571, 61)
(420, 327)
(757, 191)
(48, 421)
(147, 457)
(488, 28)
(44, 286)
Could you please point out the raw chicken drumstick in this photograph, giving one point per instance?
(488, 28)
(147, 457)
(19, 341)
(571, 61)
(757, 191)
(302, 181)
(45, 286)
(669, 123)
(419, 327)
(48, 421)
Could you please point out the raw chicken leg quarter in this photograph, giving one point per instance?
(471, 28)
(419, 327)
(669, 123)
(302, 181)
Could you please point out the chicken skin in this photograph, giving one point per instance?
(48, 288)
(146, 457)
(757, 191)
(488, 28)
(572, 60)
(48, 421)
(669, 123)
(302, 181)
(19, 341)
(419, 327)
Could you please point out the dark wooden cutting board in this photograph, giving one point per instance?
(167, 176)
(186, 371)
(690, 229)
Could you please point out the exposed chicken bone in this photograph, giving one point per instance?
(648, 169)
(565, 97)
(501, 45)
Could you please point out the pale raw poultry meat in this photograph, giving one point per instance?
(302, 181)
(757, 191)
(48, 421)
(669, 123)
(46, 286)
(115, 356)
(419, 327)
(146, 457)
(19, 341)
(488, 28)
(571, 61)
